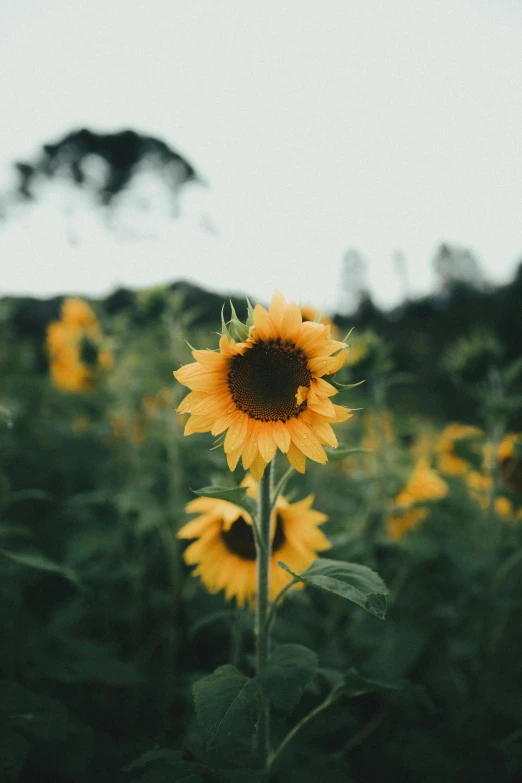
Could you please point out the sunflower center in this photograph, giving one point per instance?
(511, 473)
(264, 380)
(239, 538)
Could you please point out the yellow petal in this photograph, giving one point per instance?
(198, 424)
(327, 365)
(233, 457)
(281, 436)
(296, 458)
(257, 468)
(264, 327)
(236, 433)
(277, 307)
(210, 360)
(302, 394)
(291, 323)
(342, 413)
(321, 428)
(324, 388)
(212, 403)
(197, 527)
(305, 440)
(224, 420)
(321, 405)
(191, 399)
(250, 448)
(266, 441)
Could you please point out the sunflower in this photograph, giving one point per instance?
(400, 523)
(451, 438)
(424, 485)
(74, 344)
(309, 313)
(268, 392)
(225, 552)
(510, 460)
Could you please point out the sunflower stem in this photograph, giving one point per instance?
(262, 606)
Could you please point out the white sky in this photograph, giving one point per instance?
(320, 126)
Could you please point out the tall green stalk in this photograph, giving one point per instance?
(263, 546)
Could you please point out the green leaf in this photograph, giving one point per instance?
(163, 764)
(356, 684)
(14, 750)
(226, 615)
(352, 581)
(291, 668)
(336, 454)
(41, 563)
(236, 495)
(512, 371)
(83, 661)
(227, 709)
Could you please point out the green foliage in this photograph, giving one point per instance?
(291, 668)
(352, 581)
(227, 709)
(40, 563)
(107, 641)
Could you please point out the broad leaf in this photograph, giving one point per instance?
(353, 581)
(40, 563)
(236, 495)
(164, 765)
(227, 709)
(291, 668)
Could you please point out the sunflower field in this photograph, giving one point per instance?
(241, 542)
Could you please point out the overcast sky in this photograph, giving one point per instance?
(319, 126)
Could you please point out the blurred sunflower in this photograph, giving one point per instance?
(225, 552)
(399, 523)
(268, 392)
(510, 461)
(74, 345)
(480, 487)
(451, 439)
(424, 485)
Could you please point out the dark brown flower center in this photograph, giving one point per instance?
(264, 380)
(239, 538)
(511, 473)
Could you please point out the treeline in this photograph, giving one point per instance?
(419, 333)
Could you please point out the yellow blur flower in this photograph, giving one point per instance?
(480, 486)
(448, 461)
(224, 550)
(400, 523)
(504, 508)
(424, 484)
(510, 461)
(74, 347)
(268, 392)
